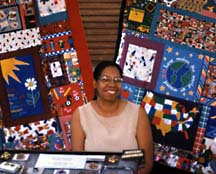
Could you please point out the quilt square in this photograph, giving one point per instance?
(176, 128)
(180, 73)
(140, 61)
(132, 93)
(206, 158)
(55, 71)
(10, 19)
(28, 14)
(73, 67)
(57, 43)
(120, 48)
(7, 3)
(209, 9)
(66, 98)
(22, 39)
(50, 12)
(138, 15)
(206, 8)
(183, 28)
(23, 89)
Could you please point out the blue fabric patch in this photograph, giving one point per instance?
(180, 73)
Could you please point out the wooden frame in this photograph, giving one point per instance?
(45, 112)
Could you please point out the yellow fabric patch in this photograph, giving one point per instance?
(136, 15)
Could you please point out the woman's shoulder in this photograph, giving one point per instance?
(81, 108)
(85, 106)
(132, 104)
(130, 107)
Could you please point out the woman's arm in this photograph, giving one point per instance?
(77, 133)
(145, 140)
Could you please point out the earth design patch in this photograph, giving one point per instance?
(179, 74)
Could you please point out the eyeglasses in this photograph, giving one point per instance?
(108, 79)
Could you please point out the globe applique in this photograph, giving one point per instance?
(179, 74)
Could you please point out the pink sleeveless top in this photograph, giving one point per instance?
(109, 134)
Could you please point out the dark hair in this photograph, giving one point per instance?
(104, 64)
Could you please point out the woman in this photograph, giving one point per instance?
(109, 123)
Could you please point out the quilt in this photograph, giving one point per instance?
(182, 88)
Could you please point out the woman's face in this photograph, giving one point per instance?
(109, 84)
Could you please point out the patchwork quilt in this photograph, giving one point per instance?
(167, 49)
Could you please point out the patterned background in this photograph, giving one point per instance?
(167, 51)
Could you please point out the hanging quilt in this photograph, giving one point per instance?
(49, 30)
(184, 79)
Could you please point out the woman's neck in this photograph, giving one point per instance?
(107, 108)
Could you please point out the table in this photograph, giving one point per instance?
(40, 162)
